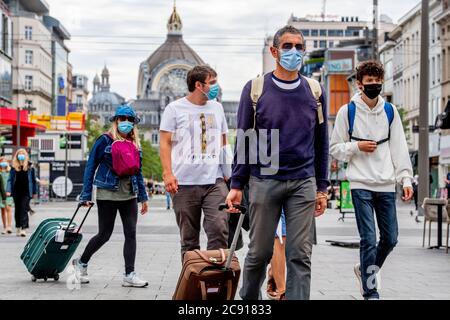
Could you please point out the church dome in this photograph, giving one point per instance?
(174, 52)
(107, 97)
(174, 48)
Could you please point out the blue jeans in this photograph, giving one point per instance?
(372, 255)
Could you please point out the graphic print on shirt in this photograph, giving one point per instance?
(199, 139)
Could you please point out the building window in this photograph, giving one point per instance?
(316, 44)
(332, 33)
(47, 145)
(314, 33)
(28, 57)
(322, 44)
(331, 45)
(154, 138)
(34, 144)
(305, 32)
(79, 100)
(438, 61)
(28, 33)
(28, 104)
(323, 33)
(351, 33)
(433, 33)
(28, 82)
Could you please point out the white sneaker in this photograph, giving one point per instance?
(80, 271)
(4, 231)
(18, 232)
(132, 280)
(23, 233)
(357, 270)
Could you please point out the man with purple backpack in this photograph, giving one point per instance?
(115, 167)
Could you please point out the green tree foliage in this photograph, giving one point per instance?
(151, 164)
(95, 130)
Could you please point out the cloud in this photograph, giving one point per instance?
(229, 35)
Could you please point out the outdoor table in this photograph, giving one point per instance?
(439, 205)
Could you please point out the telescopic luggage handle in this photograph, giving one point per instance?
(242, 210)
(91, 204)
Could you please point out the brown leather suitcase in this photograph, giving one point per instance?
(210, 275)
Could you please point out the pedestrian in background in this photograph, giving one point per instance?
(22, 187)
(150, 186)
(276, 273)
(167, 193)
(115, 192)
(6, 205)
(447, 184)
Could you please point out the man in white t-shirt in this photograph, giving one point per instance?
(196, 160)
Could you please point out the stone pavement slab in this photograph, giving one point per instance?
(411, 272)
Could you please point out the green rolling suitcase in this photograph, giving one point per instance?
(51, 246)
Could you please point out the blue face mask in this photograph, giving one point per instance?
(21, 157)
(4, 164)
(213, 92)
(125, 127)
(291, 60)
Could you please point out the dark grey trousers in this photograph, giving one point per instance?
(188, 204)
(266, 199)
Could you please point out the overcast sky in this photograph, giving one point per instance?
(227, 34)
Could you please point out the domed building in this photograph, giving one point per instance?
(162, 79)
(103, 102)
(163, 75)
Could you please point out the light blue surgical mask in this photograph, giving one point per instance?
(125, 127)
(21, 157)
(4, 164)
(213, 92)
(291, 60)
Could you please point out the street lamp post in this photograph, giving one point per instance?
(18, 128)
(28, 109)
(424, 181)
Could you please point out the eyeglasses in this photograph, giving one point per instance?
(204, 141)
(289, 46)
(125, 118)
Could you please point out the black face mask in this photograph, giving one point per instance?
(372, 90)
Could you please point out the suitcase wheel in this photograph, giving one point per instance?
(45, 279)
(56, 277)
(33, 278)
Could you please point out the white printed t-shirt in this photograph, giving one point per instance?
(197, 140)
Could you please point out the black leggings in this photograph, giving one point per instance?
(21, 211)
(107, 211)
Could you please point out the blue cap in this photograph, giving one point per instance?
(125, 110)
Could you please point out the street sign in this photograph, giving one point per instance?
(343, 65)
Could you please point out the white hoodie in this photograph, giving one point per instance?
(389, 163)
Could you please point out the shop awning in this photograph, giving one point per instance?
(9, 117)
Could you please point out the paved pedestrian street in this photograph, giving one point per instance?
(411, 272)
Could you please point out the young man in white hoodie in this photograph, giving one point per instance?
(369, 136)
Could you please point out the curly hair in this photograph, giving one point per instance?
(369, 68)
